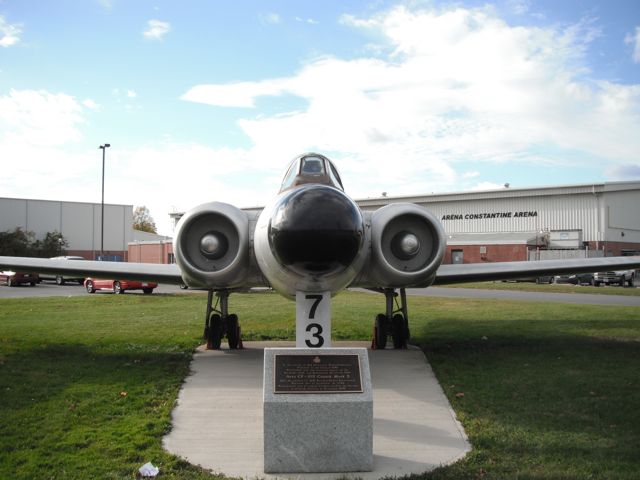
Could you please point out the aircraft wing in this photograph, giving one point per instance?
(151, 272)
(480, 272)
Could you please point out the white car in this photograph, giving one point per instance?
(60, 280)
(620, 277)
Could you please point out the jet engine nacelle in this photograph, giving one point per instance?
(407, 246)
(211, 246)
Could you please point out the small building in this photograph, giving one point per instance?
(151, 250)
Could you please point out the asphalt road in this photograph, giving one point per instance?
(50, 289)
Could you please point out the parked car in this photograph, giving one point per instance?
(61, 280)
(118, 286)
(620, 277)
(575, 279)
(545, 279)
(18, 278)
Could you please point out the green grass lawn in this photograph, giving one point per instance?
(87, 384)
(551, 288)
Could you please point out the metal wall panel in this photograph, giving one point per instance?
(116, 235)
(575, 212)
(13, 214)
(78, 222)
(623, 216)
(43, 217)
(76, 217)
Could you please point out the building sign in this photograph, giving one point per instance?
(482, 216)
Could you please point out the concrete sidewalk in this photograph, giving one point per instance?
(217, 423)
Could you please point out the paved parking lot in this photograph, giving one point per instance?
(50, 289)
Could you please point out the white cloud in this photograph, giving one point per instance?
(310, 21)
(241, 94)
(43, 156)
(456, 86)
(519, 7)
(131, 94)
(626, 172)
(37, 117)
(635, 41)
(271, 18)
(91, 105)
(9, 34)
(156, 29)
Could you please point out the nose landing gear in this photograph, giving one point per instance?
(394, 322)
(219, 322)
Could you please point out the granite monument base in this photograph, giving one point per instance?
(308, 426)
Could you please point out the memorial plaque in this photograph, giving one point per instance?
(312, 373)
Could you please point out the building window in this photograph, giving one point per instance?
(171, 258)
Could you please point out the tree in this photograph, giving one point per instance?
(143, 221)
(52, 245)
(21, 243)
(15, 243)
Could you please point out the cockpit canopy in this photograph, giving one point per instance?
(311, 168)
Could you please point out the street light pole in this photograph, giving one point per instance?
(104, 149)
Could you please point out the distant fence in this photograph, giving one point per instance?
(563, 254)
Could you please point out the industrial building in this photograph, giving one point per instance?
(80, 224)
(564, 221)
(511, 224)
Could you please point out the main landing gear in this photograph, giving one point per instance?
(394, 322)
(218, 322)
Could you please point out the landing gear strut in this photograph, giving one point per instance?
(218, 322)
(394, 322)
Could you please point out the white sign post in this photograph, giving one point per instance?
(313, 319)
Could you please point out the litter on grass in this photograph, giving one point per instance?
(148, 470)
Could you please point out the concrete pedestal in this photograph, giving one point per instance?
(317, 432)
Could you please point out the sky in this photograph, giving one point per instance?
(206, 100)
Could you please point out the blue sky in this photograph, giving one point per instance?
(209, 100)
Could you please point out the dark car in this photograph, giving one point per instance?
(18, 278)
(61, 280)
(575, 279)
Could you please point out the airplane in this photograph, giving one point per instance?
(309, 243)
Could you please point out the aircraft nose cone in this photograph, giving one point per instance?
(316, 230)
(213, 245)
(405, 245)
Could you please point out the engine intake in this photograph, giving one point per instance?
(408, 246)
(212, 246)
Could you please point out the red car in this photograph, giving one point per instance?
(16, 278)
(118, 286)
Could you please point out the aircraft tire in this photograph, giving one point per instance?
(215, 332)
(381, 331)
(399, 331)
(233, 331)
